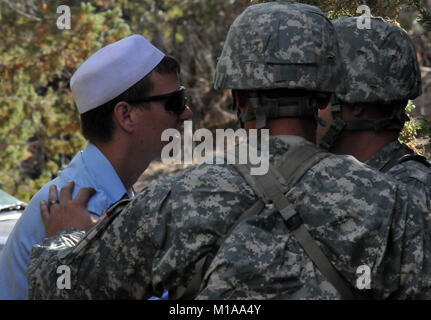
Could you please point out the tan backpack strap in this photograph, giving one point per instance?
(297, 161)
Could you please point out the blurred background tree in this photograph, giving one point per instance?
(39, 125)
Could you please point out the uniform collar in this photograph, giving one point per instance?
(385, 155)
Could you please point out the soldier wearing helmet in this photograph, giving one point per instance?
(299, 231)
(365, 121)
(264, 56)
(303, 66)
(383, 74)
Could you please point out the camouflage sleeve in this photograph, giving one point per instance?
(410, 249)
(416, 176)
(415, 254)
(154, 242)
(43, 256)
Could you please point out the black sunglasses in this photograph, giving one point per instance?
(174, 101)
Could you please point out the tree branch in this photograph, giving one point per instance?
(10, 5)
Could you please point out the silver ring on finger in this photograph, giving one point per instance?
(52, 202)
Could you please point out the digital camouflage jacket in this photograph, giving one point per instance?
(396, 160)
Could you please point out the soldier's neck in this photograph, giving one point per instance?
(305, 128)
(363, 144)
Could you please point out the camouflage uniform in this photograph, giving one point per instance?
(154, 241)
(402, 163)
(382, 69)
(375, 52)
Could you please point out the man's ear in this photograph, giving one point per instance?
(123, 116)
(358, 110)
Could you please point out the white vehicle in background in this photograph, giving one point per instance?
(10, 210)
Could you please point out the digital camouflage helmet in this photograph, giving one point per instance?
(381, 62)
(277, 45)
(382, 70)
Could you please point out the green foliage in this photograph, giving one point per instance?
(424, 17)
(410, 130)
(36, 64)
(424, 133)
(37, 60)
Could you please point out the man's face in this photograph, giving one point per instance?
(154, 118)
(326, 116)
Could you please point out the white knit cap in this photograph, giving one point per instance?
(112, 70)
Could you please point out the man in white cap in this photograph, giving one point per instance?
(127, 93)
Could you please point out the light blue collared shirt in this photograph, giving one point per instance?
(89, 168)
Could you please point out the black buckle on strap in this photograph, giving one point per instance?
(294, 222)
(332, 134)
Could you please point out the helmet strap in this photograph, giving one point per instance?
(394, 122)
(336, 127)
(258, 110)
(238, 111)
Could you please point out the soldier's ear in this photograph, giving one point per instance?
(358, 110)
(323, 101)
(321, 105)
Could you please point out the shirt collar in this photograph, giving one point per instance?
(103, 173)
(385, 155)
